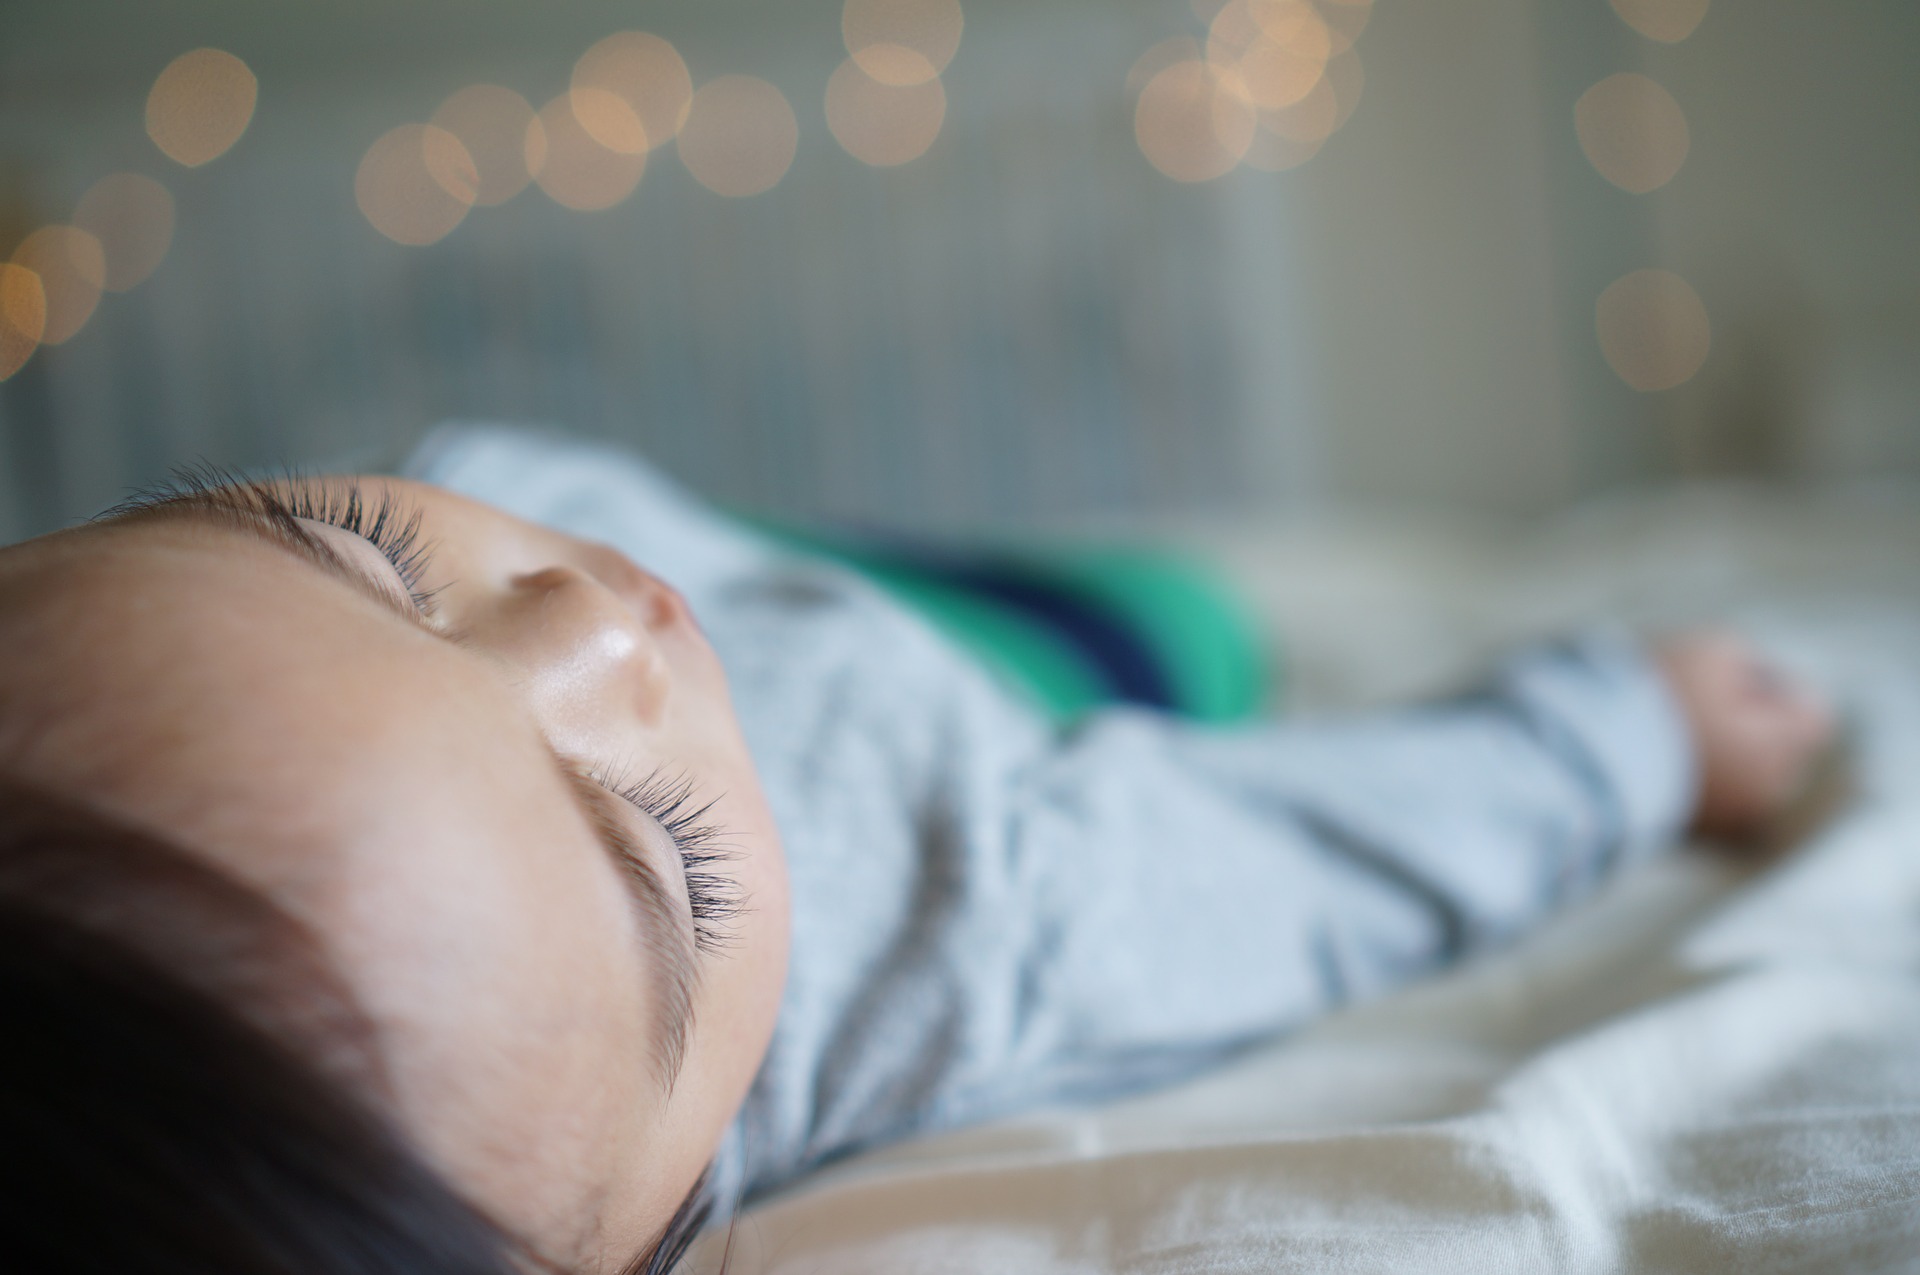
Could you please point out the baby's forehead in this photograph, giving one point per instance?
(86, 616)
(175, 662)
(107, 622)
(81, 579)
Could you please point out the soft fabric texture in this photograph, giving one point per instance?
(1668, 1082)
(1708, 1070)
(991, 914)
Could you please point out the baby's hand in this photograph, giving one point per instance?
(1757, 735)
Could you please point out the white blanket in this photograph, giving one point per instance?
(1705, 1069)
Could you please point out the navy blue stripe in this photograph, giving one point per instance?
(1132, 670)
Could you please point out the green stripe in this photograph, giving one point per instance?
(1184, 611)
(1189, 618)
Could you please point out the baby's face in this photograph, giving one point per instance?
(457, 772)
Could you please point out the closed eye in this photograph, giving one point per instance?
(665, 929)
(713, 896)
(283, 514)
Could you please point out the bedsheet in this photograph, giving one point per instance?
(1709, 1067)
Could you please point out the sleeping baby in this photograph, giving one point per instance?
(518, 865)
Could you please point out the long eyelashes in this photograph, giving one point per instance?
(388, 523)
(712, 896)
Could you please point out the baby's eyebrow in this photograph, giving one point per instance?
(665, 929)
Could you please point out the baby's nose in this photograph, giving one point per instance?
(657, 604)
(587, 653)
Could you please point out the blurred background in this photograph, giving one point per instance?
(971, 265)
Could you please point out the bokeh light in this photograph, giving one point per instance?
(1653, 329)
(132, 217)
(1346, 19)
(883, 124)
(416, 183)
(1312, 119)
(740, 136)
(1291, 65)
(642, 73)
(610, 120)
(574, 170)
(1293, 134)
(72, 266)
(1633, 132)
(200, 105)
(1277, 49)
(491, 122)
(902, 42)
(1669, 21)
(1158, 58)
(23, 316)
(1193, 122)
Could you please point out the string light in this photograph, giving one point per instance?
(1311, 119)
(23, 316)
(1278, 49)
(632, 88)
(1668, 21)
(573, 168)
(491, 122)
(1653, 329)
(1292, 135)
(1652, 326)
(132, 217)
(71, 266)
(1346, 20)
(740, 136)
(416, 183)
(200, 105)
(1291, 64)
(902, 42)
(1193, 122)
(883, 124)
(1179, 48)
(1633, 132)
(610, 120)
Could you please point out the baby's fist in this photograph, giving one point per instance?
(1757, 734)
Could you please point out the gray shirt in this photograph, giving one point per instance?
(990, 913)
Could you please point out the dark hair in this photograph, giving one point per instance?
(185, 1086)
